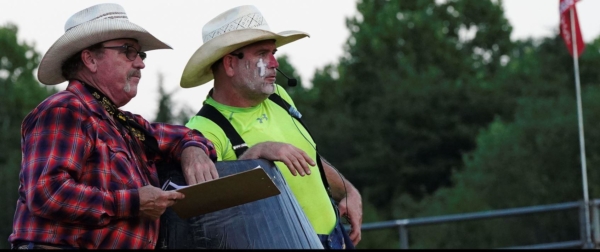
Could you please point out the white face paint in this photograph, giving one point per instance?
(252, 80)
(262, 67)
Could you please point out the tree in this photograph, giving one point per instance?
(409, 97)
(21, 92)
(290, 71)
(433, 110)
(165, 104)
(531, 159)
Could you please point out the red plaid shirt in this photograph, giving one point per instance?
(78, 181)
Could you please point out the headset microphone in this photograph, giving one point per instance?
(291, 81)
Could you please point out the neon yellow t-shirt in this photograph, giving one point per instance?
(269, 122)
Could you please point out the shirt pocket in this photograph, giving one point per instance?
(115, 170)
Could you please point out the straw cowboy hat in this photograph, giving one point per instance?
(226, 33)
(87, 27)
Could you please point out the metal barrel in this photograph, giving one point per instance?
(276, 222)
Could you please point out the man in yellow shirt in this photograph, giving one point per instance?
(239, 53)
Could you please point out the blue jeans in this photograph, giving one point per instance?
(338, 238)
(31, 245)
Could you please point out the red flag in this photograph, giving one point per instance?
(565, 26)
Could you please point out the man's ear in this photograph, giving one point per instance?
(89, 60)
(228, 62)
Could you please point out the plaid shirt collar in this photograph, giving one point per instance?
(77, 88)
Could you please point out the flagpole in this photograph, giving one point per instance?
(588, 232)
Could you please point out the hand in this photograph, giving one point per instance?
(294, 158)
(154, 201)
(197, 166)
(351, 207)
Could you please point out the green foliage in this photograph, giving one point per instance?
(165, 111)
(165, 104)
(530, 159)
(184, 115)
(21, 92)
(410, 96)
(434, 111)
(382, 239)
(289, 71)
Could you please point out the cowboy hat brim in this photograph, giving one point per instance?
(88, 34)
(198, 69)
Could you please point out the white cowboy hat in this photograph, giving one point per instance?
(87, 27)
(229, 31)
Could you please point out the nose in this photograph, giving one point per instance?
(139, 63)
(273, 62)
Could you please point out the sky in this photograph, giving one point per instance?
(179, 24)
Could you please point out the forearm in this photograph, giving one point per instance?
(253, 152)
(195, 139)
(340, 187)
(173, 139)
(348, 199)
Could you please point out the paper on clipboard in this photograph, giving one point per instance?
(225, 192)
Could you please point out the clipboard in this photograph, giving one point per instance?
(225, 192)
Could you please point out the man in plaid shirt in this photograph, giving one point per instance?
(88, 177)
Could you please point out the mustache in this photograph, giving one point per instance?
(134, 73)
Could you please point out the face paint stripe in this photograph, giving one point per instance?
(262, 67)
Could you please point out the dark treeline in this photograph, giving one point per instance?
(432, 110)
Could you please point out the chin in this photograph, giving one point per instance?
(270, 89)
(130, 88)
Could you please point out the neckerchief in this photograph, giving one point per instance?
(139, 133)
(131, 125)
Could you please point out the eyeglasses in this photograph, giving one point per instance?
(130, 52)
(239, 55)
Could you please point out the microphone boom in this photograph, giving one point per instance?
(291, 81)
